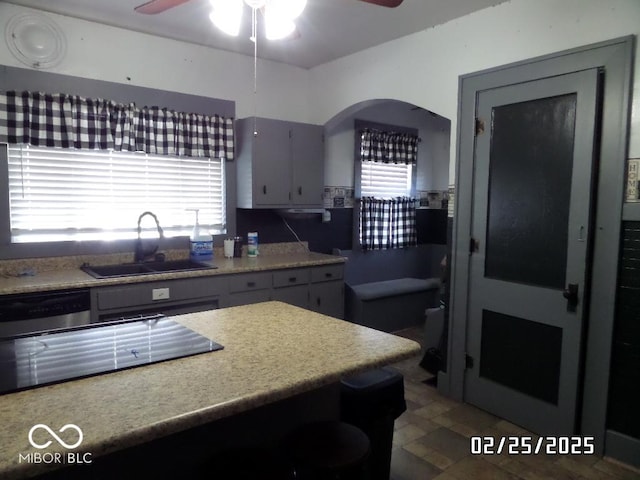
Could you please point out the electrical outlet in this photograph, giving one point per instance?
(160, 294)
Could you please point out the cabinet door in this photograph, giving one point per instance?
(297, 295)
(271, 163)
(328, 298)
(247, 298)
(307, 157)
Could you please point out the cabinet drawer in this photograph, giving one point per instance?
(247, 283)
(148, 293)
(287, 278)
(326, 274)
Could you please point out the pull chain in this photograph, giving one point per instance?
(254, 39)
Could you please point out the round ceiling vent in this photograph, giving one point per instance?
(35, 40)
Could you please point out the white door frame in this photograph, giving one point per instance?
(616, 58)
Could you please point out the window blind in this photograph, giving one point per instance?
(385, 180)
(67, 194)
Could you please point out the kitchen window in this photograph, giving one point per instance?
(385, 172)
(386, 180)
(60, 194)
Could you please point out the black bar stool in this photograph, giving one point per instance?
(330, 450)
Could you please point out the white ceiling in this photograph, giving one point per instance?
(329, 29)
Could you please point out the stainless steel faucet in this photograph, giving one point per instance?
(140, 254)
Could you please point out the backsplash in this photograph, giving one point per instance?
(434, 199)
(633, 180)
(343, 197)
(323, 237)
(338, 197)
(31, 266)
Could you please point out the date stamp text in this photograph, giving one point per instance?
(546, 445)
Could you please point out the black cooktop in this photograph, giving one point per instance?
(33, 361)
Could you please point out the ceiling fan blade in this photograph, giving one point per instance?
(158, 6)
(384, 3)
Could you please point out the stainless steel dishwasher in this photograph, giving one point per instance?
(43, 311)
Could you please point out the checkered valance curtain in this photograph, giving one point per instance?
(69, 121)
(387, 223)
(387, 147)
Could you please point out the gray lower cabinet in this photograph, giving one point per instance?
(247, 288)
(292, 286)
(318, 288)
(326, 292)
(328, 298)
(169, 297)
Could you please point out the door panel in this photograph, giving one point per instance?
(534, 347)
(530, 219)
(528, 198)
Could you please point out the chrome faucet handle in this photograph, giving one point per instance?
(158, 227)
(140, 254)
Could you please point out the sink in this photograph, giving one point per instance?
(177, 265)
(146, 268)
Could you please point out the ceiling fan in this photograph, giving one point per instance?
(158, 6)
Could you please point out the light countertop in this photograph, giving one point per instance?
(69, 278)
(272, 351)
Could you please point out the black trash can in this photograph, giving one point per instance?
(372, 401)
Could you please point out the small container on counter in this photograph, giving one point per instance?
(229, 246)
(237, 247)
(252, 244)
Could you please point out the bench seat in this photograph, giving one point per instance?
(397, 286)
(391, 305)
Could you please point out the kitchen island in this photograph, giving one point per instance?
(273, 352)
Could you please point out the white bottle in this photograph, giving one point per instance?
(200, 243)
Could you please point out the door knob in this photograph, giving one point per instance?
(571, 294)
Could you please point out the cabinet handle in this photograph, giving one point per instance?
(292, 279)
(318, 301)
(328, 275)
(251, 284)
(264, 189)
(299, 190)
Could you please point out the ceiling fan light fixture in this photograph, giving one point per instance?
(277, 27)
(279, 16)
(226, 15)
(256, 4)
(290, 9)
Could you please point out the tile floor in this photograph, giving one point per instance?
(432, 441)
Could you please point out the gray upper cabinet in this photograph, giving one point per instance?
(281, 165)
(307, 156)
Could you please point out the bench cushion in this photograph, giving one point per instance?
(391, 288)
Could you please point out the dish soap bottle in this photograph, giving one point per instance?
(200, 243)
